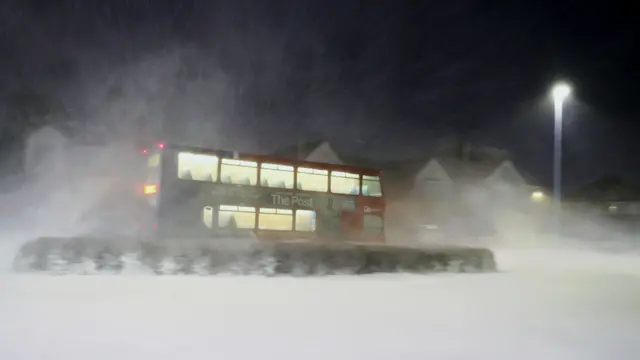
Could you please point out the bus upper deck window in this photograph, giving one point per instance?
(201, 167)
(239, 172)
(276, 176)
(313, 179)
(371, 186)
(345, 183)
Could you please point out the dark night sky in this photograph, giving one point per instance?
(378, 78)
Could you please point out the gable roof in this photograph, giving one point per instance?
(297, 151)
(463, 161)
(461, 169)
(432, 171)
(524, 177)
(528, 178)
(324, 153)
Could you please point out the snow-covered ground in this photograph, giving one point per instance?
(559, 303)
(581, 306)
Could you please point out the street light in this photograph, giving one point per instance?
(560, 92)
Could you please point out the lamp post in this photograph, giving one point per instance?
(559, 92)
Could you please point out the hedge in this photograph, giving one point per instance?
(95, 255)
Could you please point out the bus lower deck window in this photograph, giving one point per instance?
(345, 183)
(207, 216)
(236, 217)
(305, 220)
(313, 179)
(275, 219)
(371, 186)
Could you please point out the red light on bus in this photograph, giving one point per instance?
(145, 151)
(160, 145)
(150, 189)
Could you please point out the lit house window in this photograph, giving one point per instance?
(537, 196)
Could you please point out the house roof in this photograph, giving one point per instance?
(460, 169)
(76, 133)
(300, 150)
(530, 179)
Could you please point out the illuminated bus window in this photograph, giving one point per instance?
(275, 219)
(371, 186)
(345, 183)
(305, 220)
(373, 225)
(313, 179)
(201, 167)
(239, 172)
(236, 217)
(153, 169)
(207, 216)
(153, 161)
(276, 176)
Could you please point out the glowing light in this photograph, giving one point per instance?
(161, 146)
(560, 91)
(150, 189)
(537, 195)
(145, 151)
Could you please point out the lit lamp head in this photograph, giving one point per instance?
(560, 92)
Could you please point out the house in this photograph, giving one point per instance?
(475, 189)
(55, 154)
(44, 152)
(609, 195)
(470, 185)
(603, 208)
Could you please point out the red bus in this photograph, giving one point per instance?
(195, 192)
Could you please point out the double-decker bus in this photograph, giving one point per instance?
(194, 192)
